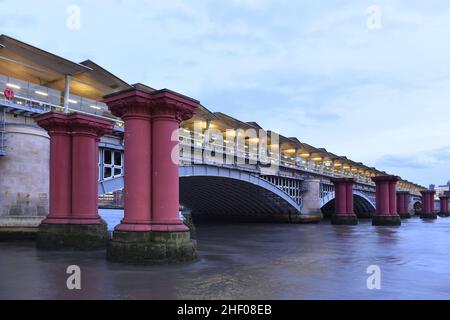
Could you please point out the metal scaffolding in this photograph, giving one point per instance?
(2, 132)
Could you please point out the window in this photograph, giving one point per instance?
(112, 164)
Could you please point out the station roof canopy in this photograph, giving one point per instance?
(28, 63)
(233, 123)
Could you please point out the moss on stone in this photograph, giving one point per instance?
(71, 237)
(380, 220)
(350, 220)
(151, 247)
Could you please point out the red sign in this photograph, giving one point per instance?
(9, 93)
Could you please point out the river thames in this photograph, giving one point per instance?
(251, 261)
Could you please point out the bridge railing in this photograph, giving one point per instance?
(35, 99)
(198, 153)
(214, 152)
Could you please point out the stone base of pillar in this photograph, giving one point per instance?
(405, 215)
(428, 215)
(151, 247)
(72, 236)
(305, 218)
(386, 220)
(444, 214)
(338, 219)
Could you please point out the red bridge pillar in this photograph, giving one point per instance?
(344, 212)
(444, 205)
(386, 197)
(403, 204)
(134, 109)
(151, 230)
(73, 221)
(428, 205)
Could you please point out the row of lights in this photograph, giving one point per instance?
(302, 155)
(45, 94)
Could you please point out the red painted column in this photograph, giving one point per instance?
(344, 212)
(406, 202)
(151, 230)
(73, 222)
(403, 204)
(428, 204)
(400, 198)
(383, 207)
(386, 195)
(340, 197)
(425, 201)
(57, 126)
(349, 196)
(377, 195)
(134, 108)
(444, 204)
(86, 130)
(168, 110)
(393, 197)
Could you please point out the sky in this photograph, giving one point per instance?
(368, 80)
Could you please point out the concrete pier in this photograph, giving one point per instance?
(24, 182)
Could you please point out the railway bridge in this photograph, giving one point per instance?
(70, 132)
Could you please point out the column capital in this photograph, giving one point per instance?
(130, 103)
(86, 124)
(172, 105)
(445, 196)
(54, 122)
(385, 178)
(62, 123)
(403, 192)
(423, 192)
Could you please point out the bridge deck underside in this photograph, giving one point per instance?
(225, 198)
(363, 209)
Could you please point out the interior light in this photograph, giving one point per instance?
(304, 155)
(41, 93)
(12, 85)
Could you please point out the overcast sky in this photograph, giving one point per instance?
(316, 70)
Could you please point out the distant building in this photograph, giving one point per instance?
(441, 189)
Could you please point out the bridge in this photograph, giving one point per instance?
(70, 132)
(242, 189)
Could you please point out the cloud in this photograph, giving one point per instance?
(431, 164)
(402, 161)
(311, 69)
